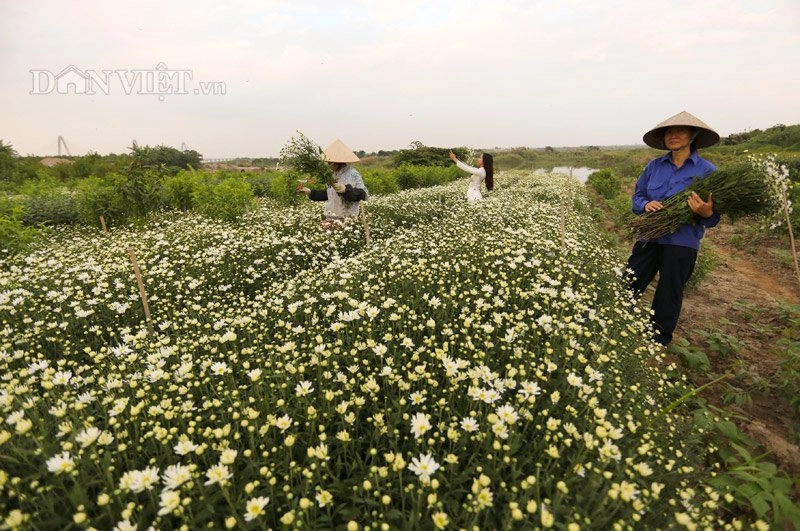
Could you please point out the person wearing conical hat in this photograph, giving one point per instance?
(673, 256)
(348, 190)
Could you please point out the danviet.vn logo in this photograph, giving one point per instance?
(160, 81)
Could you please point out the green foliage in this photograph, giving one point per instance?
(163, 158)
(693, 357)
(777, 136)
(720, 342)
(179, 190)
(92, 164)
(514, 161)
(756, 485)
(759, 490)
(261, 183)
(421, 155)
(410, 176)
(789, 374)
(280, 186)
(304, 156)
(27, 169)
(101, 197)
(142, 192)
(45, 201)
(606, 182)
(7, 162)
(227, 200)
(620, 206)
(53, 207)
(380, 181)
(14, 235)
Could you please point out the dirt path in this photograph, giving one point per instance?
(738, 302)
(739, 298)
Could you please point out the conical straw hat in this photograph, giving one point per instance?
(705, 137)
(338, 152)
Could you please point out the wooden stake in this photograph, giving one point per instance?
(563, 223)
(791, 233)
(103, 225)
(365, 220)
(142, 292)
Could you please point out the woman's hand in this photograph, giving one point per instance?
(303, 190)
(704, 209)
(653, 206)
(339, 188)
(453, 157)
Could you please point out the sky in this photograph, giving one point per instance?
(241, 78)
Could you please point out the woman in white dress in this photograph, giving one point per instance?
(483, 173)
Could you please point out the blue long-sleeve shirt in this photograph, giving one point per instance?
(660, 180)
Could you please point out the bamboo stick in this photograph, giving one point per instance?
(791, 233)
(365, 220)
(142, 293)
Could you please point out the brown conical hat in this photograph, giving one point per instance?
(339, 152)
(705, 136)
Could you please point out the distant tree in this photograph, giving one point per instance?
(419, 154)
(549, 149)
(777, 136)
(163, 158)
(91, 164)
(7, 161)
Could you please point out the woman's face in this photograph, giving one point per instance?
(480, 161)
(677, 137)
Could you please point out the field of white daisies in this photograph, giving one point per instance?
(476, 366)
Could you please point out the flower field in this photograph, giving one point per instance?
(475, 366)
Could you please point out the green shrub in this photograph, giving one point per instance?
(408, 176)
(380, 181)
(142, 192)
(620, 206)
(259, 182)
(605, 182)
(227, 199)
(514, 161)
(283, 187)
(88, 165)
(422, 155)
(101, 197)
(51, 207)
(179, 190)
(14, 235)
(163, 158)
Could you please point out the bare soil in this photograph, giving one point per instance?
(740, 298)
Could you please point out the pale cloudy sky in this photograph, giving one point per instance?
(380, 74)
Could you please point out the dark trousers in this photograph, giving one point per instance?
(674, 265)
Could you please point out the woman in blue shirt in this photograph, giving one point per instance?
(673, 256)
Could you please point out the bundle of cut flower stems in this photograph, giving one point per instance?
(738, 190)
(307, 158)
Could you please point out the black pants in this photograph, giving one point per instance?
(674, 265)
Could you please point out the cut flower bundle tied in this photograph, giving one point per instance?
(738, 190)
